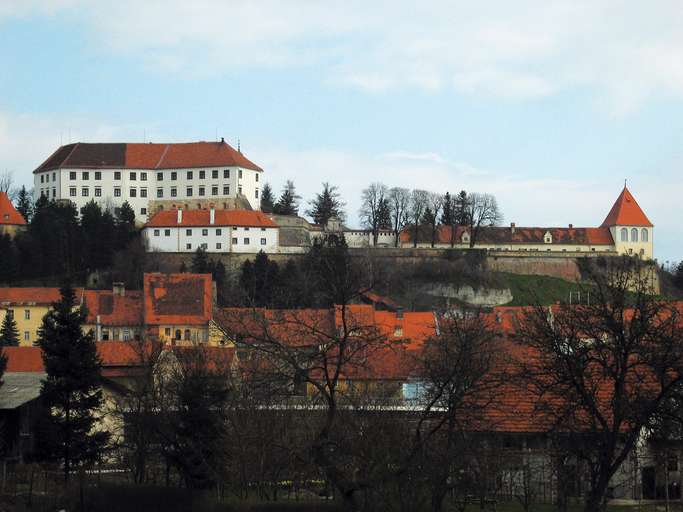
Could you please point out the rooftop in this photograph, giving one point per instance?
(626, 212)
(8, 213)
(189, 218)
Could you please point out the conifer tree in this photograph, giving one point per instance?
(267, 199)
(327, 204)
(9, 334)
(200, 261)
(71, 390)
(288, 204)
(447, 215)
(25, 204)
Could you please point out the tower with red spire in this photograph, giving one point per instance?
(631, 230)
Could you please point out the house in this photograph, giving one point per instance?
(217, 231)
(150, 176)
(27, 306)
(11, 221)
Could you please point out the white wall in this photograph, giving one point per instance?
(178, 238)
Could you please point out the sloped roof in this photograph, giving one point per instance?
(114, 309)
(19, 388)
(177, 299)
(626, 212)
(146, 156)
(8, 213)
(246, 218)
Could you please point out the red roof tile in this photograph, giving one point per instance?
(114, 309)
(177, 299)
(8, 213)
(24, 359)
(626, 212)
(247, 218)
(30, 296)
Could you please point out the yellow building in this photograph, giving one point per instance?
(27, 306)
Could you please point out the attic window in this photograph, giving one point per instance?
(398, 331)
(6, 216)
(465, 237)
(548, 238)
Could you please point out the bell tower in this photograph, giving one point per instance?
(631, 230)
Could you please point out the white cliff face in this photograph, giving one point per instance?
(487, 297)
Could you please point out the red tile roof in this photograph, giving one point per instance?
(246, 218)
(113, 309)
(177, 299)
(24, 359)
(146, 156)
(31, 296)
(8, 213)
(626, 212)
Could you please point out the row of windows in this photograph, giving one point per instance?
(219, 245)
(85, 192)
(133, 175)
(205, 232)
(27, 314)
(201, 191)
(644, 235)
(85, 175)
(202, 175)
(45, 178)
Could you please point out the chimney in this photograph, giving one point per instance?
(180, 216)
(512, 227)
(571, 226)
(212, 216)
(399, 313)
(119, 289)
(222, 140)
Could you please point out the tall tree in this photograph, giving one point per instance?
(200, 261)
(419, 200)
(678, 275)
(288, 203)
(435, 204)
(9, 334)
(327, 204)
(372, 205)
(25, 203)
(267, 199)
(71, 390)
(460, 211)
(98, 229)
(399, 203)
(384, 214)
(448, 213)
(481, 210)
(259, 280)
(125, 224)
(6, 181)
(10, 263)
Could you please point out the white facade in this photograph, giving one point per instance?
(633, 240)
(112, 187)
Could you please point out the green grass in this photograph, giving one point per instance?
(531, 289)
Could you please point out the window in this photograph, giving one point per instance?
(174, 192)
(72, 176)
(189, 191)
(143, 176)
(133, 176)
(205, 232)
(226, 190)
(174, 176)
(187, 334)
(219, 232)
(226, 173)
(239, 174)
(246, 241)
(263, 229)
(85, 175)
(167, 232)
(188, 232)
(42, 178)
(188, 246)
(133, 192)
(205, 246)
(143, 192)
(27, 314)
(214, 174)
(644, 235)
(160, 176)
(214, 191)
(85, 192)
(167, 331)
(27, 336)
(246, 229)
(202, 175)
(202, 191)
(239, 189)
(126, 334)
(177, 334)
(156, 232)
(98, 175)
(54, 193)
(256, 193)
(634, 235)
(234, 241)
(72, 191)
(143, 211)
(624, 235)
(189, 175)
(105, 334)
(256, 177)
(117, 175)
(218, 245)
(98, 192)
(54, 176)
(263, 241)
(160, 192)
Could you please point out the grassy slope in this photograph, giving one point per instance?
(528, 289)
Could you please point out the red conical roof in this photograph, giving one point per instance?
(8, 213)
(626, 212)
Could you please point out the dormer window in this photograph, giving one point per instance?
(465, 237)
(548, 238)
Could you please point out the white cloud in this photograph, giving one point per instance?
(626, 50)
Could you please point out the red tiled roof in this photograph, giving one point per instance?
(247, 218)
(626, 212)
(8, 213)
(114, 309)
(177, 299)
(24, 359)
(30, 296)
(146, 156)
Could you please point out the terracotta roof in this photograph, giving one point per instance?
(8, 213)
(31, 296)
(24, 359)
(177, 299)
(247, 218)
(146, 156)
(114, 309)
(626, 212)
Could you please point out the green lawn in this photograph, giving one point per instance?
(531, 289)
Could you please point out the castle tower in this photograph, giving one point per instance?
(631, 230)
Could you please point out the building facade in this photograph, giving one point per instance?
(150, 177)
(11, 221)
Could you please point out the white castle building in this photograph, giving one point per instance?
(151, 177)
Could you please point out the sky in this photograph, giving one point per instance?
(549, 106)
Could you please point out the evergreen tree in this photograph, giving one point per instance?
(267, 199)
(71, 390)
(260, 280)
(98, 229)
(327, 204)
(460, 209)
(10, 263)
(678, 276)
(384, 214)
(9, 334)
(183, 268)
(427, 217)
(288, 204)
(25, 204)
(448, 214)
(200, 262)
(125, 224)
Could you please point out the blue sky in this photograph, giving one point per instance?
(548, 105)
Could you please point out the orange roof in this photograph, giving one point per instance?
(626, 212)
(247, 218)
(8, 213)
(177, 299)
(114, 309)
(146, 156)
(24, 359)
(31, 296)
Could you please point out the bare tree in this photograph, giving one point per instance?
(601, 372)
(435, 202)
(481, 210)
(373, 200)
(419, 200)
(399, 202)
(6, 181)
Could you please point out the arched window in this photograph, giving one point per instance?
(644, 235)
(624, 235)
(187, 334)
(634, 235)
(177, 334)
